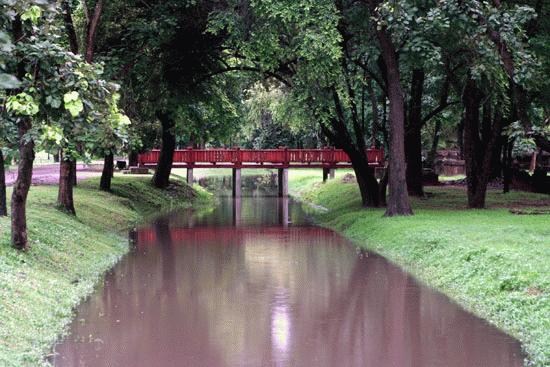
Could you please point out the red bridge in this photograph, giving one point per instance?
(265, 158)
(282, 159)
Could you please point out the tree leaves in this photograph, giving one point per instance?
(73, 103)
(33, 14)
(22, 104)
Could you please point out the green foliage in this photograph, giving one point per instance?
(165, 62)
(73, 108)
(22, 104)
(33, 13)
(211, 116)
(73, 103)
(272, 122)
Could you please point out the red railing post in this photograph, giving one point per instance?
(238, 157)
(191, 156)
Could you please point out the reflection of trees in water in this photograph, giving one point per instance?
(255, 185)
(287, 296)
(246, 210)
(165, 246)
(234, 287)
(384, 318)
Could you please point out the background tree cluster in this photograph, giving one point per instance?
(53, 100)
(403, 75)
(407, 76)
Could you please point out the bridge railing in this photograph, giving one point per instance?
(239, 156)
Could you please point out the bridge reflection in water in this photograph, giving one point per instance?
(214, 289)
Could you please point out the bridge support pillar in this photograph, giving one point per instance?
(190, 176)
(237, 212)
(328, 173)
(283, 212)
(236, 188)
(283, 182)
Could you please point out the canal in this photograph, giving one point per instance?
(253, 283)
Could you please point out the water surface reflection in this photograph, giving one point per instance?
(251, 284)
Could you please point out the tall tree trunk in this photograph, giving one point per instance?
(161, 178)
(65, 193)
(375, 118)
(74, 172)
(107, 174)
(3, 203)
(398, 200)
(507, 158)
(132, 158)
(435, 143)
(478, 153)
(92, 31)
(497, 166)
(460, 137)
(69, 27)
(383, 188)
(19, 238)
(472, 143)
(413, 135)
(368, 185)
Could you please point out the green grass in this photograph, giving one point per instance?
(493, 263)
(39, 289)
(451, 178)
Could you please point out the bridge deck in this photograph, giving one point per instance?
(265, 158)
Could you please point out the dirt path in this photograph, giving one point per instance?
(48, 174)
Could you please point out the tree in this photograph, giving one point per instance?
(8, 81)
(271, 120)
(60, 101)
(210, 116)
(24, 107)
(89, 122)
(161, 68)
(398, 201)
(491, 78)
(322, 51)
(89, 31)
(302, 46)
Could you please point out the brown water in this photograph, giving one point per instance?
(241, 286)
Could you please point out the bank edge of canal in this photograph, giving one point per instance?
(491, 262)
(40, 289)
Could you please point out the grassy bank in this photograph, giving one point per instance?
(39, 289)
(492, 262)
